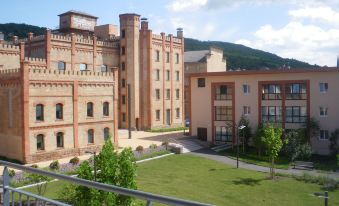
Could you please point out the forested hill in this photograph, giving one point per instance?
(238, 56)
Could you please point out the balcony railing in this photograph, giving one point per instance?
(9, 192)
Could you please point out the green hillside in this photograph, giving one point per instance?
(239, 56)
(20, 30)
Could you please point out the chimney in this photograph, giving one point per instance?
(14, 39)
(144, 24)
(30, 35)
(2, 37)
(180, 33)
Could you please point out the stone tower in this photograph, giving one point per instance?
(130, 69)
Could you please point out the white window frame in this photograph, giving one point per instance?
(323, 110)
(322, 135)
(322, 87)
(246, 89)
(246, 110)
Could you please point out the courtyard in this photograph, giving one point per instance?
(196, 178)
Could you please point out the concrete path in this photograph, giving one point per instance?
(210, 154)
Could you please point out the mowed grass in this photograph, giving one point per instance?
(199, 179)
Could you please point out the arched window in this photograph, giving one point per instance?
(60, 139)
(89, 109)
(104, 68)
(106, 134)
(39, 112)
(90, 136)
(40, 142)
(61, 65)
(105, 109)
(59, 111)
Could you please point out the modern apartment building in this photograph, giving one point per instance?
(287, 97)
(211, 60)
(65, 92)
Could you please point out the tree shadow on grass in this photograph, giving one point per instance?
(247, 181)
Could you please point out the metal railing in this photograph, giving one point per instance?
(9, 192)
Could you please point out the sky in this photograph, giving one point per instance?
(306, 30)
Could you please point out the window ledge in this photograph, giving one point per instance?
(40, 151)
(39, 121)
(59, 120)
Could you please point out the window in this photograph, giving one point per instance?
(323, 87)
(296, 91)
(123, 83)
(106, 134)
(177, 112)
(157, 115)
(123, 33)
(39, 112)
(105, 109)
(246, 110)
(246, 88)
(324, 135)
(157, 94)
(123, 50)
(223, 113)
(90, 136)
(296, 114)
(157, 55)
(271, 114)
(59, 111)
(177, 74)
(177, 93)
(89, 109)
(271, 91)
(168, 94)
(201, 82)
(60, 139)
(123, 66)
(123, 99)
(61, 65)
(124, 117)
(223, 92)
(177, 58)
(157, 75)
(223, 134)
(167, 57)
(83, 67)
(167, 75)
(40, 142)
(104, 68)
(323, 111)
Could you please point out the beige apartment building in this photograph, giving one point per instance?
(211, 60)
(288, 97)
(65, 92)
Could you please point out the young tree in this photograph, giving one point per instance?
(273, 143)
(312, 129)
(245, 133)
(258, 140)
(334, 147)
(40, 181)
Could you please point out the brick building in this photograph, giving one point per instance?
(65, 92)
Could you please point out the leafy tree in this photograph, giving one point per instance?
(334, 147)
(258, 140)
(312, 129)
(273, 143)
(296, 146)
(245, 133)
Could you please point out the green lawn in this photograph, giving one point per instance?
(199, 179)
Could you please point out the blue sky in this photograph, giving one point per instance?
(307, 30)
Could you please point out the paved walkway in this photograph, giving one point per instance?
(210, 154)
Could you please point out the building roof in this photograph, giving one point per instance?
(195, 56)
(275, 71)
(78, 13)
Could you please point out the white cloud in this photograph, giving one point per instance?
(184, 5)
(324, 14)
(309, 43)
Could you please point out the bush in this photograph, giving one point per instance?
(11, 173)
(153, 146)
(74, 160)
(297, 146)
(326, 182)
(54, 165)
(35, 166)
(140, 148)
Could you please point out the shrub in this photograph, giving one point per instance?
(11, 173)
(35, 166)
(297, 146)
(153, 146)
(54, 165)
(140, 148)
(74, 160)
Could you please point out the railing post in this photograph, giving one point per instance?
(149, 203)
(5, 184)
